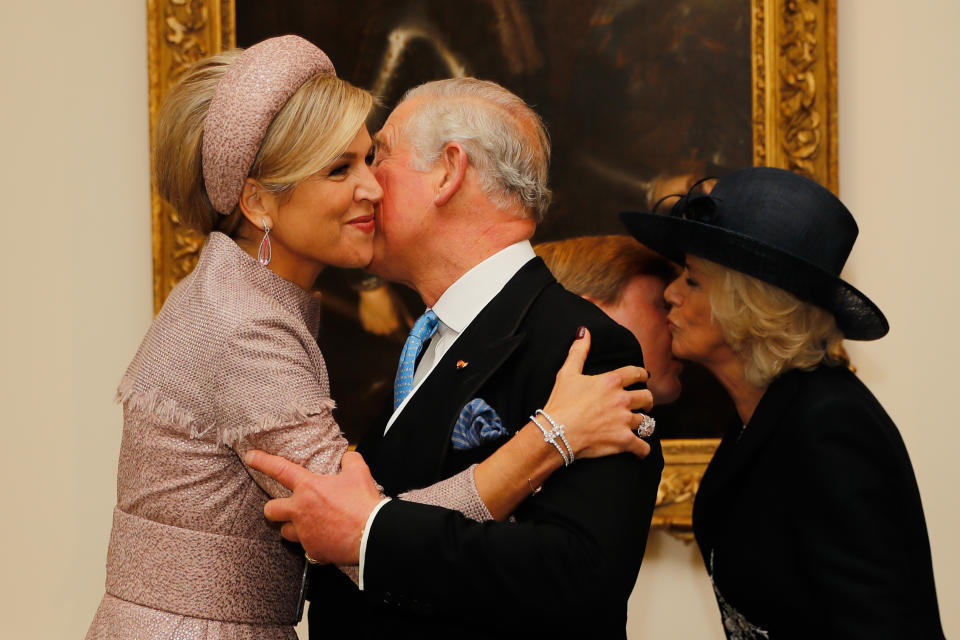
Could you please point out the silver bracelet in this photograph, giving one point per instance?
(558, 428)
(551, 437)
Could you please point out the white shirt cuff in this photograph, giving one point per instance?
(366, 534)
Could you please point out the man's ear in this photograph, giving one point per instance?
(256, 204)
(454, 163)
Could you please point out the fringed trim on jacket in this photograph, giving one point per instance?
(166, 411)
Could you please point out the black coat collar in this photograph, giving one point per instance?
(739, 450)
(412, 452)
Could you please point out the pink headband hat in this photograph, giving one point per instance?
(248, 97)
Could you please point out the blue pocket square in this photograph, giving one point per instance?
(478, 423)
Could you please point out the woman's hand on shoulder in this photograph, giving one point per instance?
(598, 411)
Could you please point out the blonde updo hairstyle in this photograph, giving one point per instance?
(316, 125)
(772, 330)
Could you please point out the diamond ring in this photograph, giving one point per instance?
(646, 428)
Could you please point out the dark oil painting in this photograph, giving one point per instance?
(638, 96)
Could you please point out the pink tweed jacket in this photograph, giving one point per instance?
(230, 364)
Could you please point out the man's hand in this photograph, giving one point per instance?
(326, 513)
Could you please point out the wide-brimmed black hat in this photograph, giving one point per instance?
(774, 225)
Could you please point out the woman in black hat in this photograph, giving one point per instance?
(809, 517)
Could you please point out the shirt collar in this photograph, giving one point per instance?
(466, 297)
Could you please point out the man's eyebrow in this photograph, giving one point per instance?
(380, 140)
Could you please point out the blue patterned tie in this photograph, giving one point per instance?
(423, 330)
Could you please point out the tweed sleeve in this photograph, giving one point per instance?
(273, 394)
(458, 492)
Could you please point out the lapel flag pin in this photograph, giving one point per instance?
(462, 364)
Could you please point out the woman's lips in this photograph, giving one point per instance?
(366, 224)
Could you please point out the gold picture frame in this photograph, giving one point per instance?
(794, 126)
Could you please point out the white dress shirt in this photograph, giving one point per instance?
(456, 309)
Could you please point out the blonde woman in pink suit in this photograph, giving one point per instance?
(266, 152)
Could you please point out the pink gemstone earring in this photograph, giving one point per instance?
(265, 252)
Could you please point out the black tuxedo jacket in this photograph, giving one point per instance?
(812, 519)
(568, 563)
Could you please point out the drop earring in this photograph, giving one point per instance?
(265, 251)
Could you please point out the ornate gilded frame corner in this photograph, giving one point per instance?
(179, 32)
(794, 44)
(794, 103)
(685, 461)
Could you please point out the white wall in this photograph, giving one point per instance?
(77, 296)
(899, 136)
